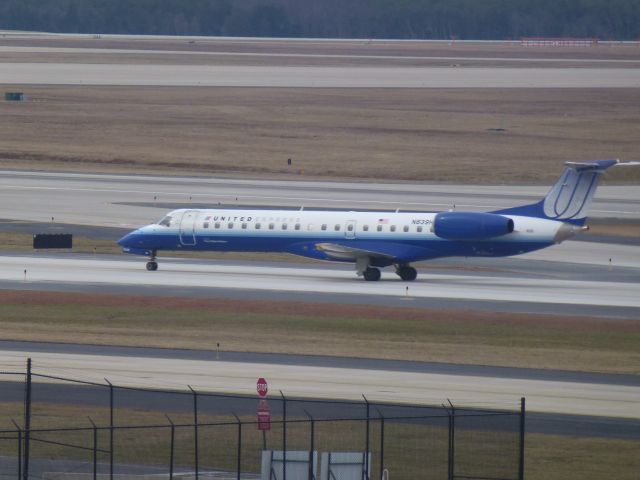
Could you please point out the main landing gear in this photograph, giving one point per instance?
(152, 265)
(364, 269)
(406, 272)
(371, 274)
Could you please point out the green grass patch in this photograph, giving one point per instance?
(412, 334)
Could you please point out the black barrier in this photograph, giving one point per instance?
(53, 240)
(102, 429)
(15, 97)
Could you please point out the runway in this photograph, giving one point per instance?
(517, 291)
(280, 55)
(314, 76)
(129, 201)
(543, 396)
(569, 278)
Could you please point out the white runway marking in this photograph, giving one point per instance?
(176, 273)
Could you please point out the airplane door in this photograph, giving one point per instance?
(188, 227)
(350, 229)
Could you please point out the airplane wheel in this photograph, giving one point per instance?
(372, 274)
(407, 274)
(152, 266)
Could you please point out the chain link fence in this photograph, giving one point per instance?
(60, 428)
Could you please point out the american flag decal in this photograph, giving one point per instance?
(383, 220)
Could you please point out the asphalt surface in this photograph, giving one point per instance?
(257, 46)
(314, 76)
(128, 201)
(326, 361)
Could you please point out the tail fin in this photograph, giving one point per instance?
(571, 195)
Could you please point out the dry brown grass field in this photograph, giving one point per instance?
(477, 135)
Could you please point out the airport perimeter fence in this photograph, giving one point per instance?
(57, 428)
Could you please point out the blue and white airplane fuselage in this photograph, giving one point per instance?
(378, 239)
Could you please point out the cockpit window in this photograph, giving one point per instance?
(166, 221)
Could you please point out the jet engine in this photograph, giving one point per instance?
(471, 225)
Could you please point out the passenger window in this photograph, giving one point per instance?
(379, 228)
(419, 229)
(284, 226)
(324, 226)
(365, 228)
(337, 228)
(350, 227)
(406, 228)
(230, 225)
(271, 226)
(217, 225)
(258, 226)
(244, 226)
(205, 225)
(393, 228)
(297, 226)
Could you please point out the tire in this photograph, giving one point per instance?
(372, 274)
(152, 266)
(408, 274)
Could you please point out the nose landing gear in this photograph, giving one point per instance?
(152, 265)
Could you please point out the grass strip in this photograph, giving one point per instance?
(505, 339)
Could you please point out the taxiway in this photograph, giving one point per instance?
(129, 201)
(314, 77)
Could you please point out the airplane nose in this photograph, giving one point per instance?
(128, 240)
(124, 241)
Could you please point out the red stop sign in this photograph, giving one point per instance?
(261, 386)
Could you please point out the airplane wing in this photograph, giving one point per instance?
(384, 252)
(343, 252)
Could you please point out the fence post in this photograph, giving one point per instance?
(311, 448)
(284, 436)
(452, 438)
(239, 454)
(522, 418)
(381, 442)
(172, 447)
(366, 449)
(95, 449)
(19, 449)
(27, 421)
(110, 429)
(449, 443)
(195, 426)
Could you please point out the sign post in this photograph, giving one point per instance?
(264, 416)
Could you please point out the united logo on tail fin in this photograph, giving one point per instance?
(570, 197)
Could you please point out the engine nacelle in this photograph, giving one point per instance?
(471, 225)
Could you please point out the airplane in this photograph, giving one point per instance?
(373, 240)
